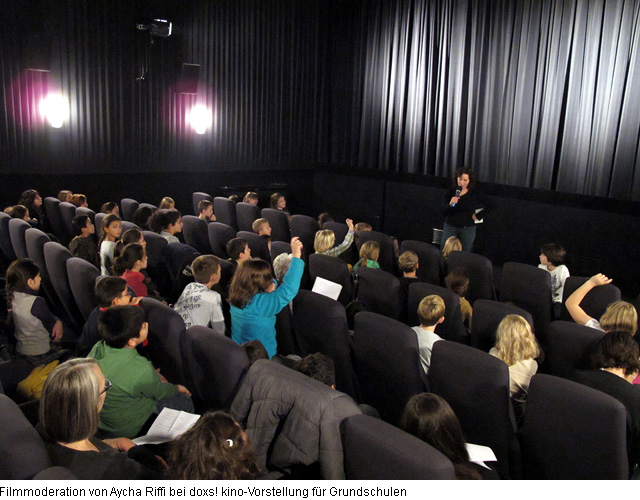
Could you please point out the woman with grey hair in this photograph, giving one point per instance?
(70, 405)
(281, 265)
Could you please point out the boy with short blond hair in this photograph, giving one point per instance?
(431, 314)
(199, 304)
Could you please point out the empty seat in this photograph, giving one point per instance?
(56, 256)
(98, 223)
(332, 269)
(480, 270)
(82, 280)
(387, 259)
(487, 315)
(67, 213)
(380, 292)
(376, 450)
(5, 238)
(428, 258)
(246, 213)
(305, 228)
(128, 207)
(279, 224)
(225, 211)
(387, 364)
(196, 198)
(278, 247)
(572, 431)
(196, 234)
(35, 240)
(258, 245)
(568, 348)
(17, 230)
(219, 235)
(52, 213)
(595, 302)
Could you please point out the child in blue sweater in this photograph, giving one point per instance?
(255, 300)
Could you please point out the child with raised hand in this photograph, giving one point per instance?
(369, 253)
(255, 299)
(325, 239)
(109, 234)
(129, 266)
(552, 258)
(35, 326)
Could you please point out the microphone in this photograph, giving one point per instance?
(458, 191)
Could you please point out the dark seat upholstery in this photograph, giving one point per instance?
(56, 257)
(487, 315)
(278, 247)
(387, 363)
(258, 245)
(320, 325)
(67, 213)
(52, 213)
(340, 230)
(246, 213)
(17, 230)
(156, 246)
(529, 287)
(595, 302)
(387, 258)
(219, 236)
(428, 258)
(166, 337)
(126, 225)
(128, 207)
(82, 280)
(380, 292)
(35, 240)
(148, 205)
(196, 198)
(88, 212)
(568, 348)
(214, 366)
(285, 336)
(332, 269)
(305, 228)
(279, 224)
(225, 211)
(376, 450)
(5, 238)
(452, 328)
(98, 223)
(480, 270)
(476, 385)
(572, 431)
(196, 234)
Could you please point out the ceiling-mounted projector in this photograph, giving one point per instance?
(157, 27)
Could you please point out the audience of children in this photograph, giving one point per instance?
(129, 265)
(458, 281)
(167, 203)
(369, 253)
(109, 234)
(255, 300)
(431, 314)
(138, 391)
(82, 245)
(199, 304)
(325, 239)
(72, 398)
(110, 207)
(552, 258)
(205, 211)
(251, 198)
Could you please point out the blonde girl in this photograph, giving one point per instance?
(325, 239)
(453, 244)
(369, 254)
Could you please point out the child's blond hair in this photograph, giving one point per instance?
(370, 250)
(453, 244)
(408, 261)
(430, 310)
(515, 340)
(258, 225)
(620, 315)
(324, 240)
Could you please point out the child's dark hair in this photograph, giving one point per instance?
(28, 197)
(106, 222)
(109, 288)
(274, 199)
(458, 281)
(132, 235)
(131, 254)
(324, 217)
(18, 211)
(616, 349)
(253, 276)
(204, 267)
(204, 205)
(460, 172)
(554, 253)
(141, 217)
(319, 367)
(108, 207)
(79, 222)
(235, 247)
(119, 324)
(162, 219)
(18, 274)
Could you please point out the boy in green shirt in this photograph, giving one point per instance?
(138, 391)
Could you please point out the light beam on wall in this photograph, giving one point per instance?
(55, 109)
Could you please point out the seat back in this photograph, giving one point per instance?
(56, 257)
(568, 348)
(219, 236)
(128, 207)
(246, 213)
(572, 431)
(380, 292)
(305, 228)
(35, 240)
(225, 211)
(332, 269)
(480, 270)
(126, 225)
(98, 223)
(196, 234)
(320, 325)
(88, 212)
(387, 258)
(279, 224)
(428, 259)
(166, 337)
(487, 315)
(82, 280)
(258, 245)
(196, 198)
(452, 328)
(52, 213)
(594, 303)
(278, 247)
(22, 451)
(529, 287)
(5, 238)
(17, 230)
(387, 364)
(67, 213)
(214, 366)
(376, 450)
(476, 385)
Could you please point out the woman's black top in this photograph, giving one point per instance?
(461, 215)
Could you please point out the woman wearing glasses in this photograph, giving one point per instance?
(71, 401)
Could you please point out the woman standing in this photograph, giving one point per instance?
(461, 204)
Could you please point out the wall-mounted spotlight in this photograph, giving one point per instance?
(200, 117)
(157, 27)
(55, 108)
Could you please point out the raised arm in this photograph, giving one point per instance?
(576, 298)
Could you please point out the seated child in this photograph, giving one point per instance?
(369, 253)
(205, 211)
(18, 212)
(431, 314)
(251, 198)
(263, 228)
(82, 245)
(138, 391)
(408, 264)
(79, 200)
(552, 259)
(360, 227)
(142, 217)
(109, 234)
(325, 239)
(234, 198)
(167, 223)
(167, 203)
(110, 291)
(324, 217)
(453, 244)
(279, 202)
(110, 207)
(64, 195)
(35, 326)
(458, 281)
(238, 250)
(129, 265)
(198, 304)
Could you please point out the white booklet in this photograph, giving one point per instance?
(479, 454)
(327, 288)
(169, 425)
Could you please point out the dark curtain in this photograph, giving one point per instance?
(542, 94)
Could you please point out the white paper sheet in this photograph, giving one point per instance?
(327, 288)
(479, 454)
(169, 425)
